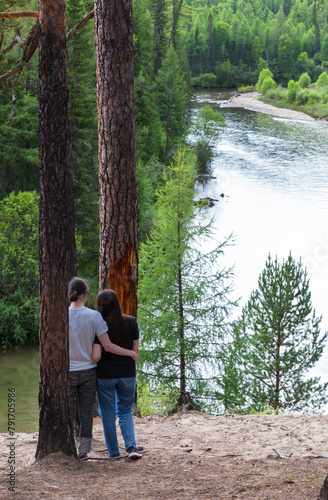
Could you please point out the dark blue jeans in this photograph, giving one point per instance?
(115, 397)
(83, 390)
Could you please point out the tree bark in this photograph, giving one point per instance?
(118, 260)
(57, 241)
(323, 495)
(18, 14)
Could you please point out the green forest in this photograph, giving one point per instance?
(280, 48)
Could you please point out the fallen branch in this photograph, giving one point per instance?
(305, 456)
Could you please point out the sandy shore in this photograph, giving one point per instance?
(250, 101)
(186, 456)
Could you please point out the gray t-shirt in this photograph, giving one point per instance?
(84, 325)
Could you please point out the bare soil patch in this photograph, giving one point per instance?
(189, 455)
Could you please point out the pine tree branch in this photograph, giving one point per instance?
(32, 41)
(80, 25)
(12, 72)
(16, 15)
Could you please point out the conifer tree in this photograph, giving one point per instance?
(183, 296)
(278, 340)
(172, 98)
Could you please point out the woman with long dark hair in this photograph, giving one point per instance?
(116, 375)
(84, 326)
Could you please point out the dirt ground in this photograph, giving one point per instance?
(189, 455)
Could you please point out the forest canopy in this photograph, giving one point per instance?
(178, 45)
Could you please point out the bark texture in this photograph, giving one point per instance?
(57, 241)
(118, 260)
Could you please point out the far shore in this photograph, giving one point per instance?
(250, 101)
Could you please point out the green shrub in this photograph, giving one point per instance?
(265, 73)
(268, 83)
(314, 97)
(293, 89)
(304, 80)
(154, 400)
(246, 88)
(302, 96)
(322, 80)
(207, 80)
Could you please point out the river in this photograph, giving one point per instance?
(273, 173)
(274, 176)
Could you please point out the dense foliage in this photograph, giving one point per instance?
(19, 304)
(232, 39)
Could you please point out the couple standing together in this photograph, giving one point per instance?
(110, 338)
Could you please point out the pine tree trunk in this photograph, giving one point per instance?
(277, 385)
(118, 258)
(57, 241)
(181, 325)
(324, 490)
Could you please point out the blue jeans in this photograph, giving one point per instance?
(115, 397)
(83, 391)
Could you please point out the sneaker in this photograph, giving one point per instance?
(133, 452)
(116, 456)
(83, 456)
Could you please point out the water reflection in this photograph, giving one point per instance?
(20, 370)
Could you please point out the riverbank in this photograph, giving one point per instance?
(250, 100)
(189, 455)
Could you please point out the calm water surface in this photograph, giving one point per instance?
(20, 370)
(274, 175)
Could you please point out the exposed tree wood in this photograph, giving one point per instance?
(13, 109)
(18, 14)
(118, 268)
(57, 253)
(19, 39)
(30, 44)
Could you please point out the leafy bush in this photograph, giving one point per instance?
(302, 97)
(246, 88)
(314, 97)
(19, 320)
(304, 80)
(207, 80)
(293, 89)
(155, 400)
(265, 73)
(322, 80)
(268, 83)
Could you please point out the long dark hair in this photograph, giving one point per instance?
(109, 306)
(77, 286)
